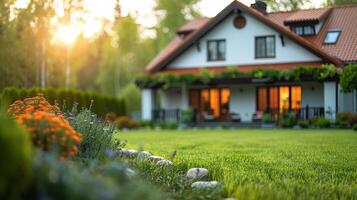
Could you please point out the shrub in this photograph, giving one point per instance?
(303, 124)
(146, 124)
(168, 125)
(267, 118)
(188, 116)
(31, 105)
(15, 162)
(355, 127)
(125, 122)
(51, 133)
(348, 78)
(322, 122)
(65, 98)
(287, 120)
(97, 136)
(345, 120)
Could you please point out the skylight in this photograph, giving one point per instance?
(332, 36)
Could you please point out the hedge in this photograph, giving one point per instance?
(101, 105)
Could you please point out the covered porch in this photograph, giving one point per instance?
(242, 102)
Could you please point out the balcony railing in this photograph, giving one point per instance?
(167, 115)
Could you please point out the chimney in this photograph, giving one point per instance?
(260, 6)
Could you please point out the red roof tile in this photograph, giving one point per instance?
(308, 15)
(193, 25)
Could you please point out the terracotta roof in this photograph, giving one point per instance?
(308, 15)
(274, 20)
(193, 25)
(340, 18)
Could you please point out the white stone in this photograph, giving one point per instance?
(144, 154)
(197, 173)
(204, 184)
(164, 163)
(129, 172)
(155, 158)
(133, 153)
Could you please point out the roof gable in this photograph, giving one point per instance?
(234, 7)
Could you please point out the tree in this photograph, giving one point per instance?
(339, 2)
(348, 78)
(287, 5)
(172, 14)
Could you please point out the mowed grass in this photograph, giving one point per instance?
(264, 164)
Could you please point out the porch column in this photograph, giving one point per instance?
(330, 100)
(147, 104)
(184, 97)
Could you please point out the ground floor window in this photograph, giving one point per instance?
(212, 102)
(276, 99)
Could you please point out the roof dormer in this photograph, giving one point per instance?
(307, 22)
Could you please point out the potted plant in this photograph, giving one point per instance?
(267, 121)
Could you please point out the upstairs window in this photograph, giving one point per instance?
(332, 36)
(304, 30)
(265, 47)
(216, 50)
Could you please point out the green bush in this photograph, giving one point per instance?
(345, 119)
(355, 127)
(322, 122)
(15, 162)
(168, 125)
(188, 116)
(287, 120)
(65, 98)
(97, 136)
(267, 118)
(348, 78)
(303, 124)
(146, 124)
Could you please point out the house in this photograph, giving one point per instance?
(250, 38)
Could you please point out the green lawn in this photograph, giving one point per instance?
(264, 164)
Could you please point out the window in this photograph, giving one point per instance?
(304, 30)
(265, 47)
(332, 37)
(216, 50)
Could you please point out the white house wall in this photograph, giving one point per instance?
(240, 47)
(172, 99)
(312, 94)
(243, 101)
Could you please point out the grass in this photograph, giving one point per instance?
(264, 164)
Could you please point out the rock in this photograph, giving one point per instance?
(229, 199)
(197, 173)
(129, 172)
(144, 154)
(204, 184)
(155, 158)
(164, 163)
(133, 153)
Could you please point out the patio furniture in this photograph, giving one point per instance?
(207, 116)
(235, 117)
(257, 116)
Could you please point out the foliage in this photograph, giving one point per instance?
(322, 122)
(354, 127)
(15, 162)
(32, 105)
(131, 94)
(303, 124)
(97, 136)
(100, 104)
(205, 76)
(339, 2)
(348, 78)
(69, 180)
(172, 15)
(259, 164)
(286, 5)
(168, 125)
(188, 116)
(267, 118)
(124, 122)
(346, 119)
(287, 120)
(51, 133)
